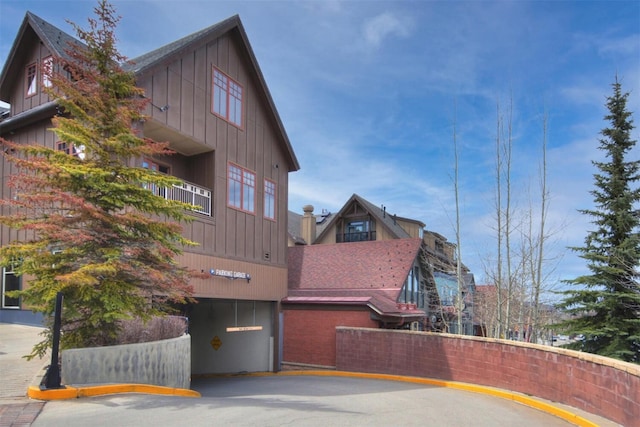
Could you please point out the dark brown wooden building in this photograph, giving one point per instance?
(209, 100)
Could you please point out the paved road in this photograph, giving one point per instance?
(298, 401)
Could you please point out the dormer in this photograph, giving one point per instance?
(361, 221)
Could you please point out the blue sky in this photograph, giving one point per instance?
(369, 92)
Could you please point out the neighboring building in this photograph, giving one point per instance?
(375, 284)
(361, 221)
(358, 221)
(209, 100)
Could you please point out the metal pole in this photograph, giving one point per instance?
(53, 373)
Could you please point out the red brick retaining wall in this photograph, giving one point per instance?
(310, 334)
(599, 385)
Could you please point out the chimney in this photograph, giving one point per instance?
(308, 225)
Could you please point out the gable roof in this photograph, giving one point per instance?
(382, 218)
(144, 63)
(55, 40)
(370, 273)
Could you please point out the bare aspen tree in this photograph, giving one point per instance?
(460, 300)
(544, 206)
(497, 276)
(508, 145)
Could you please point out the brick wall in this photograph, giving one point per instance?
(599, 385)
(310, 334)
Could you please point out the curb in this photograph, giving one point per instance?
(69, 392)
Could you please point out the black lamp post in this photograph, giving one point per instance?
(53, 373)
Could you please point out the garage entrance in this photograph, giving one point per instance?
(230, 336)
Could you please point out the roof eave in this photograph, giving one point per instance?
(4, 93)
(41, 112)
(293, 160)
(228, 25)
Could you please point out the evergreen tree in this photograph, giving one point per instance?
(88, 223)
(605, 306)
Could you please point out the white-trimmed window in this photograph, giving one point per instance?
(47, 69)
(241, 188)
(269, 199)
(10, 282)
(32, 79)
(227, 98)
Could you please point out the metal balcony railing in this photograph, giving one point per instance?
(192, 194)
(361, 236)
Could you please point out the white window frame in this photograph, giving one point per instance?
(31, 79)
(6, 272)
(46, 71)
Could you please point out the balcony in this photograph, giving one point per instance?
(360, 236)
(192, 194)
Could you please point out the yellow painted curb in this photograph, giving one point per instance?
(532, 402)
(69, 392)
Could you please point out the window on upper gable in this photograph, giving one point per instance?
(47, 69)
(269, 199)
(241, 188)
(356, 230)
(227, 98)
(32, 80)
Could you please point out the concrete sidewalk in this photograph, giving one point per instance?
(17, 374)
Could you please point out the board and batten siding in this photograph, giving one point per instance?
(33, 55)
(38, 133)
(184, 84)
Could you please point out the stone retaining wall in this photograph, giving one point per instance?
(599, 385)
(164, 363)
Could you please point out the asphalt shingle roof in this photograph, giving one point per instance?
(352, 273)
(358, 265)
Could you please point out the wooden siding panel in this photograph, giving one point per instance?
(159, 95)
(222, 58)
(39, 134)
(202, 94)
(198, 233)
(187, 93)
(174, 82)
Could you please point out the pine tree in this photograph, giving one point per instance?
(91, 227)
(605, 307)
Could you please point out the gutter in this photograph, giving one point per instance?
(34, 115)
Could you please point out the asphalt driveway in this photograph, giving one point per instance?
(297, 401)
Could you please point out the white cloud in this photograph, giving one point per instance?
(629, 45)
(377, 29)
